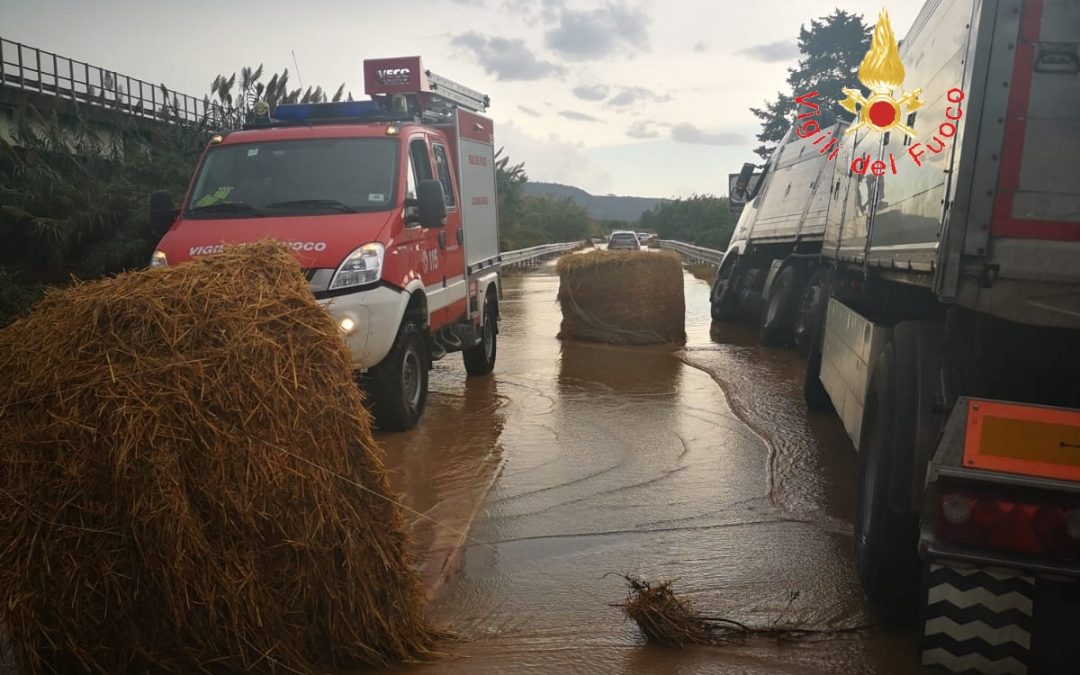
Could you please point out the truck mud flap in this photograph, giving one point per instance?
(977, 620)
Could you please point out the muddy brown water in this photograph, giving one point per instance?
(576, 462)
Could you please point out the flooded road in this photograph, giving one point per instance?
(533, 490)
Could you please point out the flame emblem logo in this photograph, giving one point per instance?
(882, 72)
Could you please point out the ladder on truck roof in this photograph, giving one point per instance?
(403, 82)
(470, 99)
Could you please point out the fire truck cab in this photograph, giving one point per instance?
(390, 207)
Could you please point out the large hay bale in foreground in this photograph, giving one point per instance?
(622, 297)
(188, 481)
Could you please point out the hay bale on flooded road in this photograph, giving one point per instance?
(622, 297)
(188, 481)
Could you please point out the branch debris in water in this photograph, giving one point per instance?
(671, 621)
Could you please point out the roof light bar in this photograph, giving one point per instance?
(303, 112)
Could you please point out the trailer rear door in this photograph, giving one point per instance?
(1024, 169)
(1038, 195)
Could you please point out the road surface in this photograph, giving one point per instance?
(536, 488)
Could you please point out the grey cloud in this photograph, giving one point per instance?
(591, 92)
(506, 59)
(528, 111)
(688, 133)
(700, 47)
(642, 130)
(528, 12)
(579, 116)
(599, 33)
(631, 95)
(772, 52)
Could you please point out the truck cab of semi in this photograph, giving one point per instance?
(389, 206)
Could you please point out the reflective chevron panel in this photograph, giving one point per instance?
(977, 620)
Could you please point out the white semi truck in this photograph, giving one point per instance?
(933, 280)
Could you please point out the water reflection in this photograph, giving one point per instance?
(590, 369)
(444, 467)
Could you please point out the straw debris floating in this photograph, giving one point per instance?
(665, 619)
(188, 482)
(622, 297)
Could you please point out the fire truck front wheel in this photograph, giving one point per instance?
(398, 386)
(480, 359)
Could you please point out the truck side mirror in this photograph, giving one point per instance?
(745, 174)
(431, 202)
(162, 210)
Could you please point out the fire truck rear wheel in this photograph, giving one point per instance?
(480, 359)
(884, 550)
(398, 386)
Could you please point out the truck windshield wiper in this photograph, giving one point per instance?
(225, 207)
(313, 204)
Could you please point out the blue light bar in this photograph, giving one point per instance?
(302, 112)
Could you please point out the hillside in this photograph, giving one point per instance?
(607, 207)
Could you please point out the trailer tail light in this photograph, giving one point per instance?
(992, 523)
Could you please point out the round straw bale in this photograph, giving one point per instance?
(622, 297)
(188, 481)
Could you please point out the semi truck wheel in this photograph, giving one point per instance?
(886, 558)
(723, 303)
(480, 359)
(813, 302)
(398, 386)
(779, 314)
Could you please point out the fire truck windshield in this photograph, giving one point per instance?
(299, 177)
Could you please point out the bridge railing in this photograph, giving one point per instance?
(525, 256)
(694, 253)
(32, 69)
(533, 253)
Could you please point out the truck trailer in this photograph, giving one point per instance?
(933, 280)
(390, 207)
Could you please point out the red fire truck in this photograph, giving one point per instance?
(389, 205)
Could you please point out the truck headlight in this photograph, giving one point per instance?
(158, 259)
(362, 266)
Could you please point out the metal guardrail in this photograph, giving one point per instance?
(693, 253)
(525, 256)
(32, 69)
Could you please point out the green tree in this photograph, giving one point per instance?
(704, 220)
(509, 179)
(832, 48)
(526, 220)
(73, 205)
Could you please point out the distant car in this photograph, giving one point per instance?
(645, 238)
(623, 240)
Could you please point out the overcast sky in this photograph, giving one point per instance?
(624, 97)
